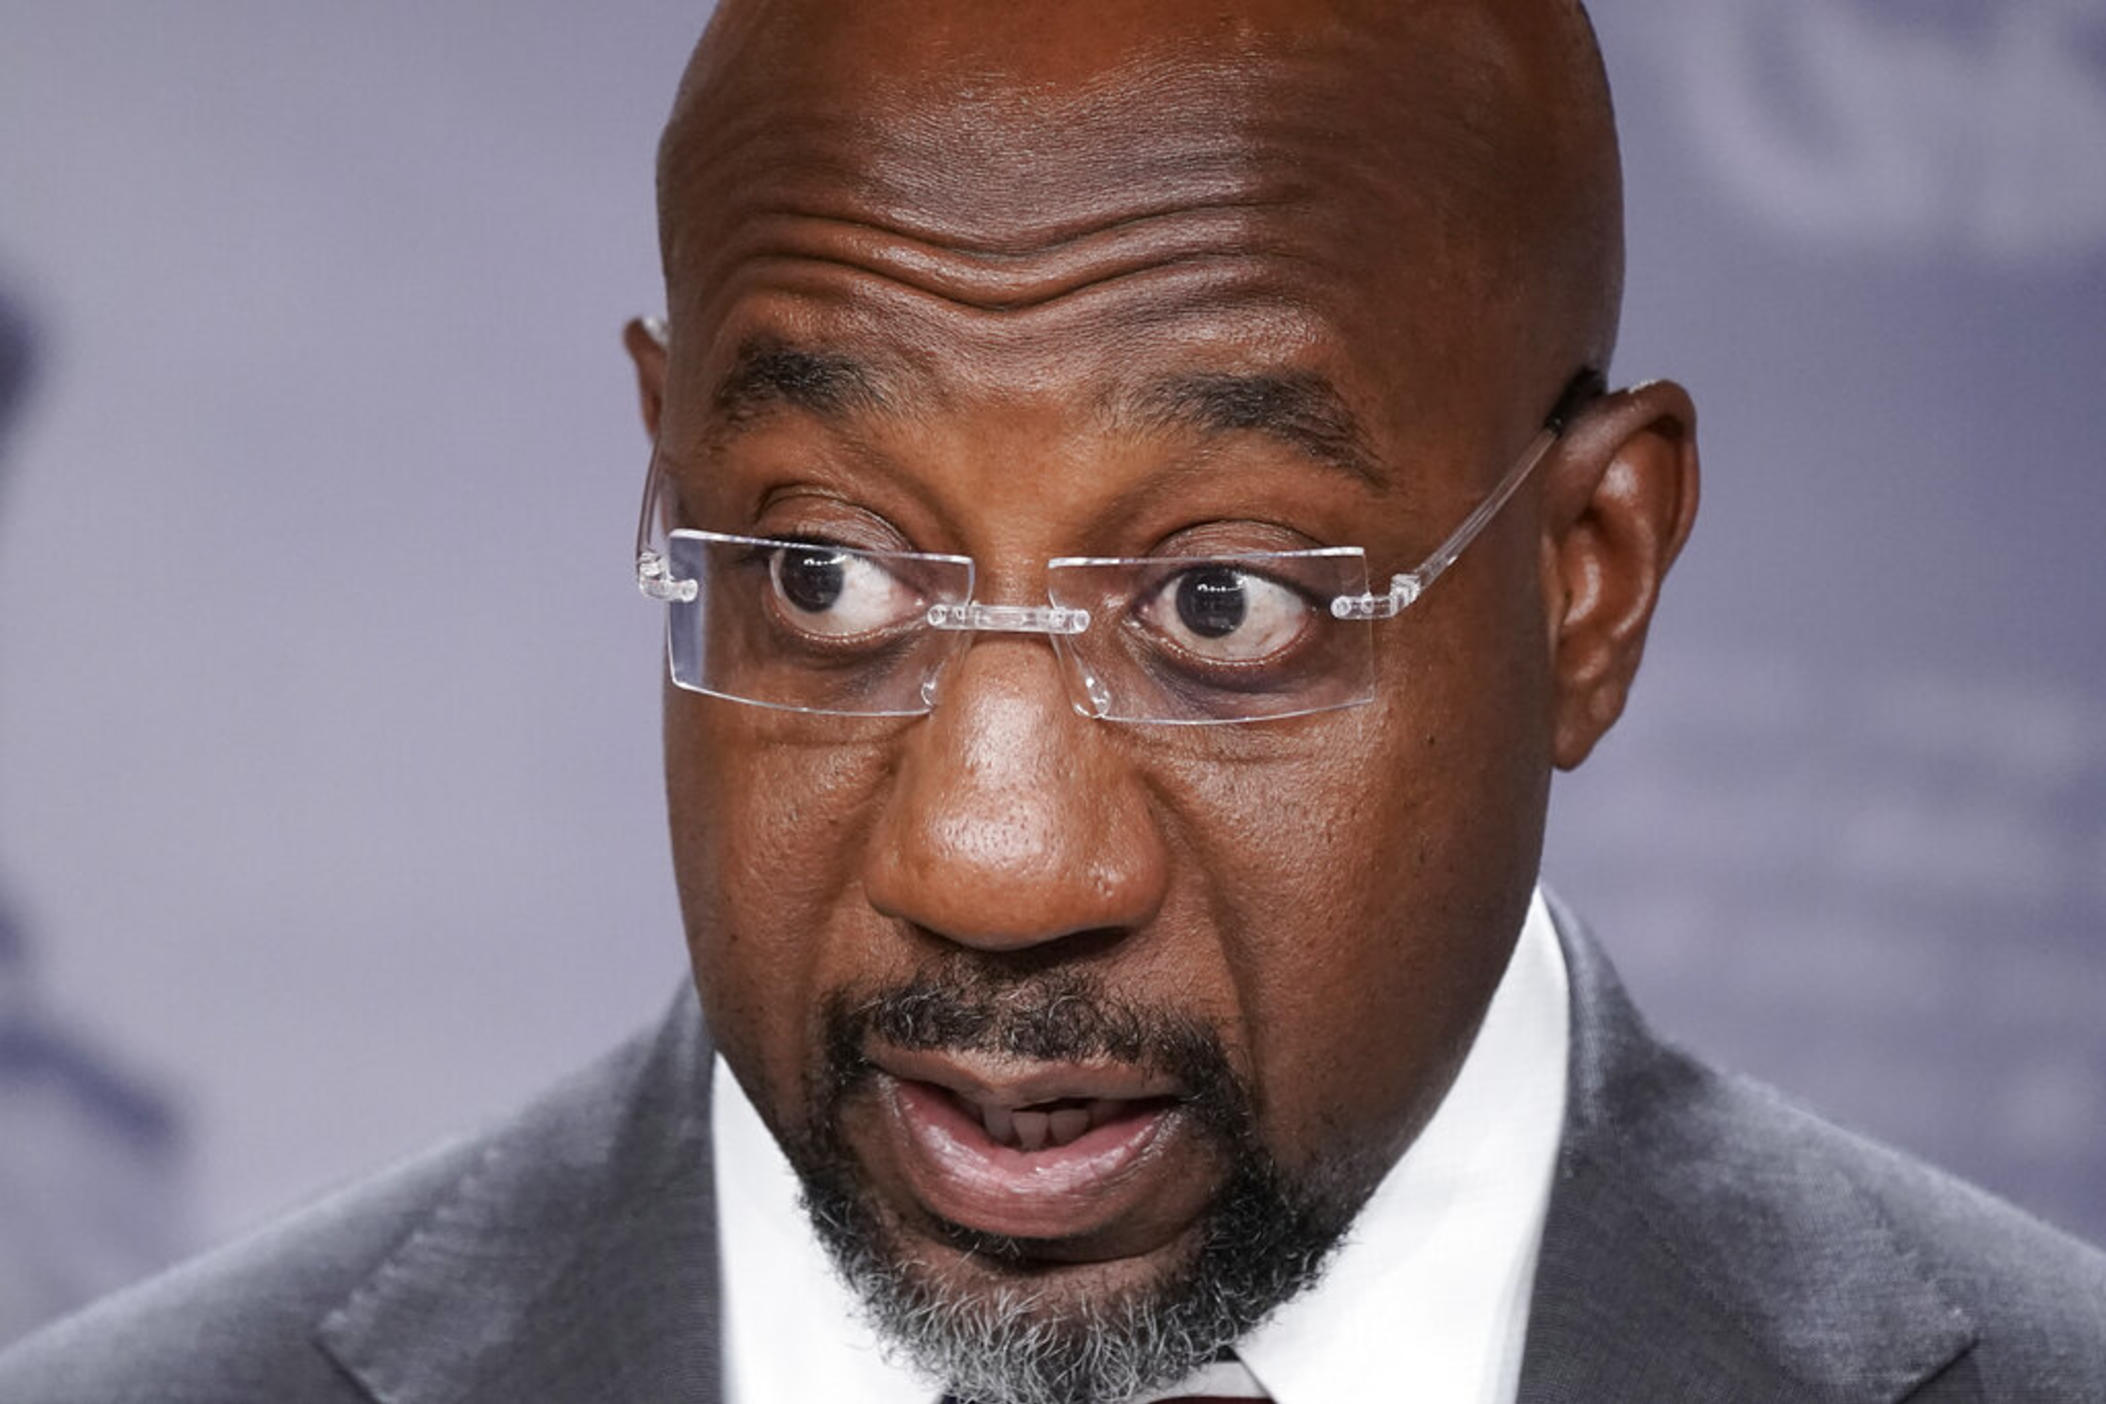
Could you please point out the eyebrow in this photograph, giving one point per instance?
(1300, 409)
(768, 373)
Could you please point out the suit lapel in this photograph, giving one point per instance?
(575, 1262)
(1704, 1245)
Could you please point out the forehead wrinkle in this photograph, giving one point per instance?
(911, 308)
(796, 213)
(997, 296)
(1465, 148)
(800, 222)
(967, 155)
(797, 187)
(915, 339)
(1009, 162)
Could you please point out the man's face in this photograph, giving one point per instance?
(1036, 987)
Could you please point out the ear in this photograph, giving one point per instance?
(1619, 503)
(645, 337)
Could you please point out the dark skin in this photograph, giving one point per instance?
(1008, 227)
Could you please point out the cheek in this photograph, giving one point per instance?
(1367, 895)
(766, 825)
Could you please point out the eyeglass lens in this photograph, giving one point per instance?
(821, 628)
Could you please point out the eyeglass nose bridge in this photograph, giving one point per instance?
(1057, 622)
(1008, 619)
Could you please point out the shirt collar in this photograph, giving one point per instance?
(1428, 1296)
(1426, 1299)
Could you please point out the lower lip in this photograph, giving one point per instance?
(962, 1175)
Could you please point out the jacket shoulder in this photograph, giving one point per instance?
(2037, 1295)
(2034, 1296)
(242, 1323)
(239, 1322)
(1786, 1257)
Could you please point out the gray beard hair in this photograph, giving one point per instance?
(1263, 1243)
(1264, 1238)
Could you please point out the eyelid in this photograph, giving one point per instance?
(816, 540)
(802, 507)
(1222, 539)
(840, 535)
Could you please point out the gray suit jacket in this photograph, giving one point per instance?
(1706, 1242)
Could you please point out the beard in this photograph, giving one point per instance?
(1017, 1339)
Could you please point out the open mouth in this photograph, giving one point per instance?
(1080, 1154)
(1059, 1122)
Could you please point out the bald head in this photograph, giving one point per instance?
(1476, 139)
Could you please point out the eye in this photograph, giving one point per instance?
(825, 590)
(1227, 615)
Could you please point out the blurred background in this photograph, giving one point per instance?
(329, 795)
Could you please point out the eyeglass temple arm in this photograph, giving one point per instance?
(654, 577)
(1406, 587)
(654, 573)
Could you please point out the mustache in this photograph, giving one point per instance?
(1046, 1016)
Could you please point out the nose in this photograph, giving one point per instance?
(1013, 822)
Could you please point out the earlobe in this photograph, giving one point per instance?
(1618, 507)
(645, 338)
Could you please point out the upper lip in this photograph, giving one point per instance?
(991, 1080)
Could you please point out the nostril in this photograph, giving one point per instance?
(1023, 953)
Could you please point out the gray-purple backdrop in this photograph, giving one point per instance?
(328, 781)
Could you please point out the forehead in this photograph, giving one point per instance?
(1017, 199)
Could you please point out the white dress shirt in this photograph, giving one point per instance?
(1427, 1299)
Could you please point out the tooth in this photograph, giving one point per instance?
(1031, 1128)
(1068, 1123)
(1001, 1126)
(1104, 1109)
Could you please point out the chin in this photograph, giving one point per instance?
(1042, 1193)
(1046, 1279)
(1007, 1320)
